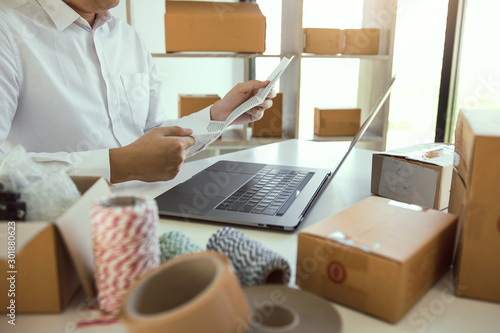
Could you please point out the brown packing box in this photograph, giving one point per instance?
(192, 103)
(331, 122)
(271, 124)
(475, 197)
(214, 26)
(379, 256)
(323, 41)
(362, 41)
(46, 276)
(418, 174)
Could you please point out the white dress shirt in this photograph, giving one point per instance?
(69, 91)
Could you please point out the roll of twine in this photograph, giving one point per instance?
(125, 247)
(254, 264)
(176, 243)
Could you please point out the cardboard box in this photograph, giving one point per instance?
(331, 122)
(323, 41)
(214, 26)
(379, 256)
(271, 124)
(50, 261)
(475, 197)
(362, 41)
(193, 103)
(419, 174)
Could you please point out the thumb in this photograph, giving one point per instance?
(175, 131)
(256, 84)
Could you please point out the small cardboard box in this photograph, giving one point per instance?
(192, 103)
(362, 41)
(271, 124)
(332, 122)
(52, 258)
(214, 26)
(379, 256)
(323, 41)
(419, 174)
(475, 197)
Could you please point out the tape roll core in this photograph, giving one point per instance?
(275, 318)
(191, 293)
(167, 290)
(280, 309)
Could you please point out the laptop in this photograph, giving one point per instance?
(255, 194)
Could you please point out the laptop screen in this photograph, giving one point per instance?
(366, 123)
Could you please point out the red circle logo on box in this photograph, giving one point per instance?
(336, 272)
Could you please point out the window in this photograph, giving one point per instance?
(478, 73)
(418, 56)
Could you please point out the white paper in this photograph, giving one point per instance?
(213, 127)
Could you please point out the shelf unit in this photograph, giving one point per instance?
(375, 72)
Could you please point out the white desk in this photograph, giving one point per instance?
(438, 311)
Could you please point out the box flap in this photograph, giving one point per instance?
(24, 233)
(432, 153)
(76, 231)
(383, 227)
(483, 122)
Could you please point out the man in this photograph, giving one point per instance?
(78, 87)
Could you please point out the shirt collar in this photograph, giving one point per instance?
(63, 15)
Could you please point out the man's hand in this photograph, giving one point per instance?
(157, 155)
(240, 93)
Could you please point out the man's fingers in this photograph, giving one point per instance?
(272, 94)
(253, 85)
(265, 105)
(187, 141)
(175, 131)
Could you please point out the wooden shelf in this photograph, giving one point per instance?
(346, 56)
(375, 71)
(213, 55)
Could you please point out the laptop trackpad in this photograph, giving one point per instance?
(185, 203)
(213, 183)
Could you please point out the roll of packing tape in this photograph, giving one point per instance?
(175, 243)
(254, 264)
(125, 245)
(277, 308)
(196, 292)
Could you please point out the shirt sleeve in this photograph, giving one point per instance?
(85, 163)
(10, 81)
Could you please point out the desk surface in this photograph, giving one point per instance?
(437, 311)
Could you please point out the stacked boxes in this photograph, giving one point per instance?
(214, 26)
(475, 197)
(378, 256)
(271, 124)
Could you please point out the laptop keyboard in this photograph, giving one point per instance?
(269, 192)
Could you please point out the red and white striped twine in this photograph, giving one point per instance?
(125, 247)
